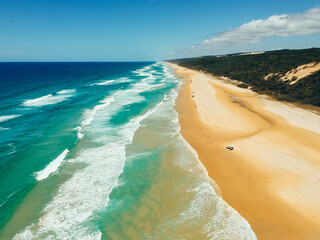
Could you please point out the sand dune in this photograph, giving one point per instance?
(302, 71)
(272, 177)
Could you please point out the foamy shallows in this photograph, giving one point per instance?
(89, 115)
(49, 99)
(130, 174)
(89, 189)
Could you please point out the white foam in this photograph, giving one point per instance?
(157, 86)
(52, 166)
(89, 115)
(67, 91)
(149, 74)
(146, 72)
(148, 113)
(142, 71)
(80, 135)
(168, 72)
(123, 79)
(49, 99)
(124, 97)
(8, 117)
(87, 192)
(133, 93)
(107, 82)
(148, 78)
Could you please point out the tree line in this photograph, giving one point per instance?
(251, 70)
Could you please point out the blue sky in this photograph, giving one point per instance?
(129, 30)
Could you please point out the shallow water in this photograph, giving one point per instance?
(100, 156)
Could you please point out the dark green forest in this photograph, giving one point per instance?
(251, 70)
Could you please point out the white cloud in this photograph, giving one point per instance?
(255, 31)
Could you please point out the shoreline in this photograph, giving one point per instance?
(271, 177)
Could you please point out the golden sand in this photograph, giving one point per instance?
(302, 71)
(272, 177)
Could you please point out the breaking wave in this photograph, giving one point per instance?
(49, 99)
(8, 117)
(52, 167)
(107, 82)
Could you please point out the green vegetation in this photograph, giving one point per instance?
(251, 70)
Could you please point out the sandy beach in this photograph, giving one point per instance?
(272, 177)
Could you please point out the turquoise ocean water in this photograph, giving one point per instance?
(93, 151)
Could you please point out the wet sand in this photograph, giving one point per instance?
(272, 177)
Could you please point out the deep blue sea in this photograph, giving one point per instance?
(93, 151)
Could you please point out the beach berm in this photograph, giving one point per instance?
(272, 176)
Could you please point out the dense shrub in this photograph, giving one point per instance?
(251, 69)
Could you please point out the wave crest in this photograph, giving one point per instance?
(107, 82)
(8, 117)
(49, 99)
(52, 167)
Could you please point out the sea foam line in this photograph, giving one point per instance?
(107, 82)
(67, 91)
(157, 86)
(49, 99)
(52, 166)
(137, 88)
(91, 113)
(8, 117)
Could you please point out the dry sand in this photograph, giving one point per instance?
(302, 71)
(272, 177)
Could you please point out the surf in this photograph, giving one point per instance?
(94, 185)
(128, 156)
(52, 166)
(8, 117)
(49, 99)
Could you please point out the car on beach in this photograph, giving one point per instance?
(229, 147)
